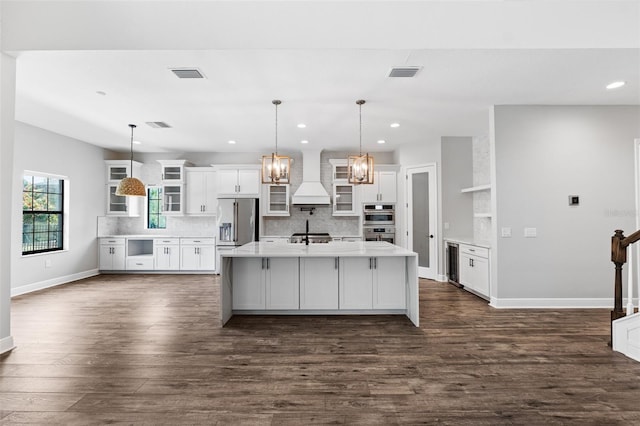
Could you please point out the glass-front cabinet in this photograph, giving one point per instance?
(172, 199)
(118, 205)
(344, 200)
(173, 186)
(276, 200)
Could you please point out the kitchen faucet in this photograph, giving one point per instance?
(306, 233)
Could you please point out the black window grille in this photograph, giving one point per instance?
(42, 214)
(155, 218)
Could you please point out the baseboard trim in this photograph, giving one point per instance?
(552, 303)
(6, 344)
(29, 288)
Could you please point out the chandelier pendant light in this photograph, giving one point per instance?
(130, 186)
(276, 168)
(360, 169)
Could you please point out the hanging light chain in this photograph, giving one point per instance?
(133, 126)
(276, 102)
(360, 102)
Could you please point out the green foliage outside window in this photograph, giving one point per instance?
(155, 218)
(42, 214)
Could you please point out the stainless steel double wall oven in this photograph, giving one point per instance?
(379, 222)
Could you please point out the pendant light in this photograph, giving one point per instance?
(130, 186)
(276, 168)
(360, 169)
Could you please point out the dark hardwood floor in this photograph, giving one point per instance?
(148, 349)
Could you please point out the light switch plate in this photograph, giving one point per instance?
(505, 232)
(530, 232)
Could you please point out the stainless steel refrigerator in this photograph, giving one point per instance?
(237, 224)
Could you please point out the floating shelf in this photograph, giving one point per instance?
(476, 188)
(482, 215)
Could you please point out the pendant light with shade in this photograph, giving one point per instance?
(360, 169)
(130, 186)
(276, 168)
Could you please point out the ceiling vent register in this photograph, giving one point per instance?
(187, 73)
(158, 124)
(404, 71)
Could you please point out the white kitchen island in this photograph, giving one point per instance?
(338, 278)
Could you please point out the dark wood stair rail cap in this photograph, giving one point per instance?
(619, 245)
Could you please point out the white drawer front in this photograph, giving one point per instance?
(142, 264)
(112, 241)
(166, 241)
(198, 241)
(474, 250)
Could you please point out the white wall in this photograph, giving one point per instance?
(7, 114)
(457, 173)
(426, 152)
(42, 151)
(543, 154)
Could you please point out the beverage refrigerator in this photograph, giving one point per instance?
(237, 224)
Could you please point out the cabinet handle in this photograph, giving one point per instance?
(370, 263)
(262, 262)
(375, 263)
(268, 264)
(472, 249)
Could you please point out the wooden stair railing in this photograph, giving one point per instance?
(619, 244)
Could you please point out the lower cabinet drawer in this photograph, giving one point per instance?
(142, 264)
(474, 250)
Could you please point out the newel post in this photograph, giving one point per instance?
(619, 258)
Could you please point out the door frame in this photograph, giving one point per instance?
(434, 208)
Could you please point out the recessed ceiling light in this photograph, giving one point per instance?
(137, 143)
(381, 141)
(616, 84)
(101, 93)
(304, 141)
(232, 142)
(301, 126)
(394, 125)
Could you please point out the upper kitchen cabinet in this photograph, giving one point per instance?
(119, 205)
(276, 200)
(384, 187)
(238, 181)
(201, 191)
(173, 188)
(345, 199)
(173, 171)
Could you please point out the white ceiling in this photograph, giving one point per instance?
(451, 95)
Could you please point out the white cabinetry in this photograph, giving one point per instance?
(383, 188)
(281, 283)
(345, 196)
(112, 254)
(238, 182)
(173, 179)
(356, 289)
(118, 205)
(276, 200)
(166, 253)
(319, 282)
(474, 269)
(372, 283)
(197, 254)
(201, 191)
(265, 283)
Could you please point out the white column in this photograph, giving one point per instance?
(7, 120)
(630, 262)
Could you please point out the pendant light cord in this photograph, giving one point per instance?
(276, 102)
(133, 126)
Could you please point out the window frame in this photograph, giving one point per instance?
(61, 232)
(162, 219)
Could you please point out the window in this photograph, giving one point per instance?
(42, 214)
(155, 218)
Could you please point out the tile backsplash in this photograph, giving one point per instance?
(179, 226)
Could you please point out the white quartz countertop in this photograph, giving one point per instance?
(468, 241)
(332, 249)
(155, 236)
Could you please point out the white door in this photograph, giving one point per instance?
(195, 191)
(249, 182)
(387, 186)
(422, 220)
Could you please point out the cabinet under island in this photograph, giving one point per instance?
(338, 278)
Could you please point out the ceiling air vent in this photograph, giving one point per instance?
(187, 72)
(158, 124)
(404, 71)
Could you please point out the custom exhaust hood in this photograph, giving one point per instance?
(311, 190)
